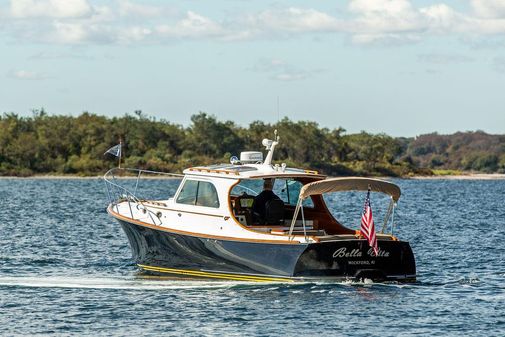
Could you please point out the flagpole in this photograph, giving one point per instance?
(120, 152)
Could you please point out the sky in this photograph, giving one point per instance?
(402, 67)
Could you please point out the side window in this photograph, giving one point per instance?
(207, 195)
(188, 193)
(199, 193)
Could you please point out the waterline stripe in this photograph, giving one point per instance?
(234, 277)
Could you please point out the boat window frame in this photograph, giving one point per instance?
(284, 195)
(183, 184)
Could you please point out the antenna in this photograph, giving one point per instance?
(278, 109)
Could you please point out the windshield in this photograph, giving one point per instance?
(287, 190)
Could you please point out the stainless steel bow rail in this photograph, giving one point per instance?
(117, 193)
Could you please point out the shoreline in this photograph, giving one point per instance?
(55, 177)
(71, 177)
(469, 176)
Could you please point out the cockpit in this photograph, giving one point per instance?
(279, 211)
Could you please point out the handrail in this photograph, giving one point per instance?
(117, 193)
(391, 209)
(141, 170)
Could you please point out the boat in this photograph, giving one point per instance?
(207, 228)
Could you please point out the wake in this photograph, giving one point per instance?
(110, 283)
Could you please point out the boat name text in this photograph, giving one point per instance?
(342, 252)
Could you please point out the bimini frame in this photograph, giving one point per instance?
(348, 184)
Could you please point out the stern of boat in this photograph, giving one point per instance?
(355, 259)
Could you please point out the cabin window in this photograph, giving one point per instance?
(199, 193)
(207, 195)
(188, 193)
(286, 189)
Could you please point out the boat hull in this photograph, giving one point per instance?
(161, 252)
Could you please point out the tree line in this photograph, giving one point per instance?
(55, 144)
(463, 151)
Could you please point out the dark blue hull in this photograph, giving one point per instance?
(162, 252)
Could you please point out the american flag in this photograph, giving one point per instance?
(367, 224)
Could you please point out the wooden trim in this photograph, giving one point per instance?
(201, 235)
(190, 212)
(152, 202)
(207, 170)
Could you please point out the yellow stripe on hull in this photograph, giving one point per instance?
(234, 277)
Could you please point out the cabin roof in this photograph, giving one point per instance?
(251, 171)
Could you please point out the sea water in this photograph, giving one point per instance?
(66, 269)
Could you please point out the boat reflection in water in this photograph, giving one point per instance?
(210, 228)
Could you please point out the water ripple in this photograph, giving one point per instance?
(66, 269)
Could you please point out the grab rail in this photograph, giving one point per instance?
(117, 193)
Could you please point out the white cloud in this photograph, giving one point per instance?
(290, 77)
(192, 26)
(385, 39)
(292, 20)
(134, 34)
(384, 22)
(398, 21)
(68, 32)
(374, 16)
(446, 20)
(49, 8)
(392, 7)
(440, 17)
(128, 8)
(26, 75)
(494, 9)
